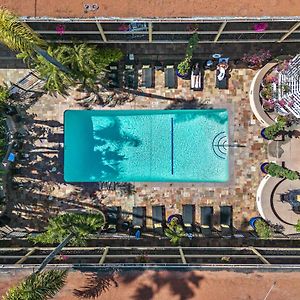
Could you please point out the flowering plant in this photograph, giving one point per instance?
(258, 58)
(284, 66)
(260, 27)
(271, 79)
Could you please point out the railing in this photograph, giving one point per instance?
(155, 257)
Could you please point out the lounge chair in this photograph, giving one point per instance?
(159, 218)
(222, 80)
(139, 218)
(196, 78)
(113, 77)
(113, 218)
(206, 220)
(196, 82)
(129, 77)
(226, 220)
(147, 76)
(170, 77)
(188, 216)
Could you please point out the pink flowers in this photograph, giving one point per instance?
(60, 29)
(259, 27)
(282, 102)
(258, 58)
(271, 79)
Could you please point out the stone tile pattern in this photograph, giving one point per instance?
(240, 193)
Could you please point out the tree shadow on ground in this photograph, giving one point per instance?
(192, 104)
(180, 283)
(97, 284)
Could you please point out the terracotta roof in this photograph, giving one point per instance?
(153, 8)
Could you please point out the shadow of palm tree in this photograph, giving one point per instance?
(144, 292)
(179, 283)
(99, 156)
(98, 283)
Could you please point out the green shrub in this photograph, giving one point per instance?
(263, 229)
(278, 171)
(273, 130)
(297, 226)
(4, 93)
(184, 66)
(174, 232)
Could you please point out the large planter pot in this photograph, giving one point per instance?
(179, 217)
(263, 167)
(185, 76)
(253, 220)
(262, 133)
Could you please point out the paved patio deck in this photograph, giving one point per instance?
(32, 206)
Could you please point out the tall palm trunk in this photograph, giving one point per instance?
(54, 253)
(51, 60)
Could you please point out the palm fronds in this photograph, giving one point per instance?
(81, 225)
(41, 286)
(17, 35)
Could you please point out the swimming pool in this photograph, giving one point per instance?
(146, 145)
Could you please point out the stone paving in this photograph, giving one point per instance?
(42, 171)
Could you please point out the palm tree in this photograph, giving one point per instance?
(67, 228)
(87, 64)
(71, 228)
(41, 286)
(19, 37)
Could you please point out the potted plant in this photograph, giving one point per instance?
(272, 131)
(262, 228)
(278, 171)
(174, 231)
(184, 67)
(268, 105)
(267, 92)
(270, 78)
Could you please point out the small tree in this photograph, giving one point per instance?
(185, 65)
(278, 171)
(263, 229)
(174, 232)
(273, 130)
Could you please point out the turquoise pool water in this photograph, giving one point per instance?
(146, 145)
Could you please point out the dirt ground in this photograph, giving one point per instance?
(195, 285)
(154, 8)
